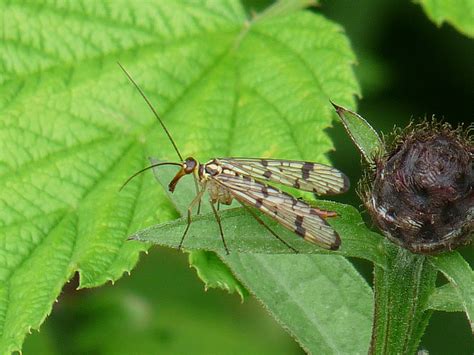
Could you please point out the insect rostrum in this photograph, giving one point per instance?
(421, 194)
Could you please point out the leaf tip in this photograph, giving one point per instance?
(134, 237)
(336, 107)
(364, 136)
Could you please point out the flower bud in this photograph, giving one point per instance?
(421, 194)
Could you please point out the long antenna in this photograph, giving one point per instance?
(153, 110)
(145, 169)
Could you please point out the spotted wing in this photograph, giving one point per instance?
(296, 215)
(307, 176)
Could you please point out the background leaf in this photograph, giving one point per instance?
(214, 273)
(73, 128)
(459, 14)
(319, 299)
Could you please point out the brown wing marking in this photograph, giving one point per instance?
(306, 176)
(296, 215)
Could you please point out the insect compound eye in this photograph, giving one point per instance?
(189, 165)
(421, 195)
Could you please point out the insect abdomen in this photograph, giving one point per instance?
(219, 193)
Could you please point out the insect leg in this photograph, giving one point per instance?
(218, 219)
(196, 199)
(259, 220)
(197, 192)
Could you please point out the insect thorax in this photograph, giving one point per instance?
(207, 170)
(217, 192)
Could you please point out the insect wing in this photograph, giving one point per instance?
(307, 176)
(294, 214)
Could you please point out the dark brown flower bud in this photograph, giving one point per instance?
(421, 194)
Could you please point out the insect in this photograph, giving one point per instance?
(245, 180)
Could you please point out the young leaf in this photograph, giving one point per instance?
(361, 132)
(446, 299)
(460, 14)
(461, 276)
(73, 127)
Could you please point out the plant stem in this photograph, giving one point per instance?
(401, 293)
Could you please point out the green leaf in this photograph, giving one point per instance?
(73, 128)
(361, 132)
(446, 299)
(458, 272)
(320, 299)
(214, 273)
(243, 234)
(460, 13)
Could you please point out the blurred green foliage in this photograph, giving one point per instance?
(161, 309)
